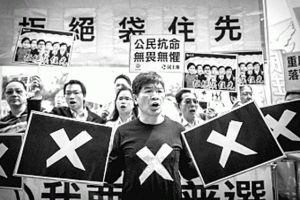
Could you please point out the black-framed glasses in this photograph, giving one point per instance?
(246, 93)
(189, 101)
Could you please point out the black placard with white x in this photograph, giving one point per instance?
(63, 148)
(232, 144)
(284, 121)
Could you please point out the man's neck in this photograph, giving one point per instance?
(152, 119)
(18, 110)
(190, 120)
(79, 110)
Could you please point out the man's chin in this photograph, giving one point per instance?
(72, 106)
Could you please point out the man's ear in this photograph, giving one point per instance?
(178, 106)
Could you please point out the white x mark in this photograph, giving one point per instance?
(3, 149)
(67, 147)
(279, 127)
(228, 142)
(154, 162)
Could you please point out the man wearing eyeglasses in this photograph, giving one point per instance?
(188, 105)
(15, 93)
(75, 93)
(245, 95)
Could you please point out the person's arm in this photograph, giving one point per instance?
(116, 160)
(34, 102)
(186, 165)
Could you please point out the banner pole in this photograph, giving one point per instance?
(267, 49)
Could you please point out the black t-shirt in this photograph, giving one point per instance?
(151, 157)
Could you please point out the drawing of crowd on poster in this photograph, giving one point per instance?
(250, 68)
(210, 71)
(43, 47)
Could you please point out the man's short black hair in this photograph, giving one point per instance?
(206, 65)
(63, 43)
(291, 93)
(71, 82)
(248, 63)
(179, 94)
(41, 40)
(214, 66)
(55, 43)
(32, 40)
(199, 66)
(14, 80)
(244, 86)
(24, 39)
(241, 63)
(233, 95)
(190, 64)
(228, 67)
(146, 78)
(221, 67)
(123, 76)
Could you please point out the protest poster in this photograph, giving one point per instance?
(44, 47)
(161, 53)
(64, 149)
(10, 145)
(231, 144)
(283, 119)
(210, 71)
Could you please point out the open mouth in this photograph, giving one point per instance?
(14, 100)
(122, 106)
(192, 110)
(72, 102)
(155, 104)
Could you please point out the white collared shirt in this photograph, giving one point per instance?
(81, 116)
(188, 125)
(118, 122)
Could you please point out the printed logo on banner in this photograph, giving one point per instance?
(9, 149)
(64, 148)
(232, 144)
(283, 120)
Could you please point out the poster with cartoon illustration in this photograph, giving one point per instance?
(250, 67)
(210, 71)
(43, 47)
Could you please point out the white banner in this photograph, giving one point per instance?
(103, 29)
(162, 53)
(255, 184)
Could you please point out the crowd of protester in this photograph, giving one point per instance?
(136, 116)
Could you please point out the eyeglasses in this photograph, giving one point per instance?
(125, 98)
(11, 91)
(246, 93)
(189, 101)
(69, 93)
